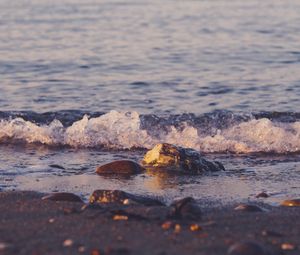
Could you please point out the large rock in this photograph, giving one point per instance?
(120, 167)
(121, 197)
(173, 157)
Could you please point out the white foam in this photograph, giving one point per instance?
(122, 130)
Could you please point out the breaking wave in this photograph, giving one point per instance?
(219, 131)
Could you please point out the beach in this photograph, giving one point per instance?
(84, 84)
(30, 225)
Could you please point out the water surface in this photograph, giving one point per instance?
(85, 83)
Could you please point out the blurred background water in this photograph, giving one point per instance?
(150, 56)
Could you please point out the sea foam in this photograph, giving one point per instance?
(123, 130)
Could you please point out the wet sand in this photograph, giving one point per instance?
(30, 225)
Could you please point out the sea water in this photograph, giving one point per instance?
(85, 83)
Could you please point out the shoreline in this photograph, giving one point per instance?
(30, 225)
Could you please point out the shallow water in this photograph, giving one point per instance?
(84, 83)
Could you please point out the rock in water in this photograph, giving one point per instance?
(185, 208)
(119, 196)
(169, 156)
(120, 167)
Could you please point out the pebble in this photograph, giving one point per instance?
(271, 233)
(288, 247)
(95, 252)
(120, 167)
(119, 196)
(51, 220)
(291, 202)
(120, 217)
(248, 208)
(81, 249)
(167, 225)
(185, 208)
(68, 243)
(63, 196)
(3, 246)
(177, 228)
(262, 195)
(246, 248)
(57, 166)
(195, 227)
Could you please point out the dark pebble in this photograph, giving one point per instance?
(120, 167)
(57, 166)
(271, 233)
(246, 248)
(185, 208)
(63, 196)
(119, 196)
(248, 208)
(262, 195)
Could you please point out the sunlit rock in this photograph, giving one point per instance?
(173, 157)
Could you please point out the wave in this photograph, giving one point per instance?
(218, 131)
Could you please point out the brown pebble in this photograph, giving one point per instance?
(291, 202)
(262, 195)
(63, 196)
(288, 247)
(120, 167)
(248, 208)
(167, 225)
(177, 229)
(120, 217)
(195, 227)
(68, 243)
(246, 248)
(95, 252)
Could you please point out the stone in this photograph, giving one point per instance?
(262, 195)
(246, 248)
(68, 243)
(271, 233)
(63, 196)
(248, 208)
(119, 197)
(120, 167)
(288, 247)
(186, 208)
(291, 202)
(173, 157)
